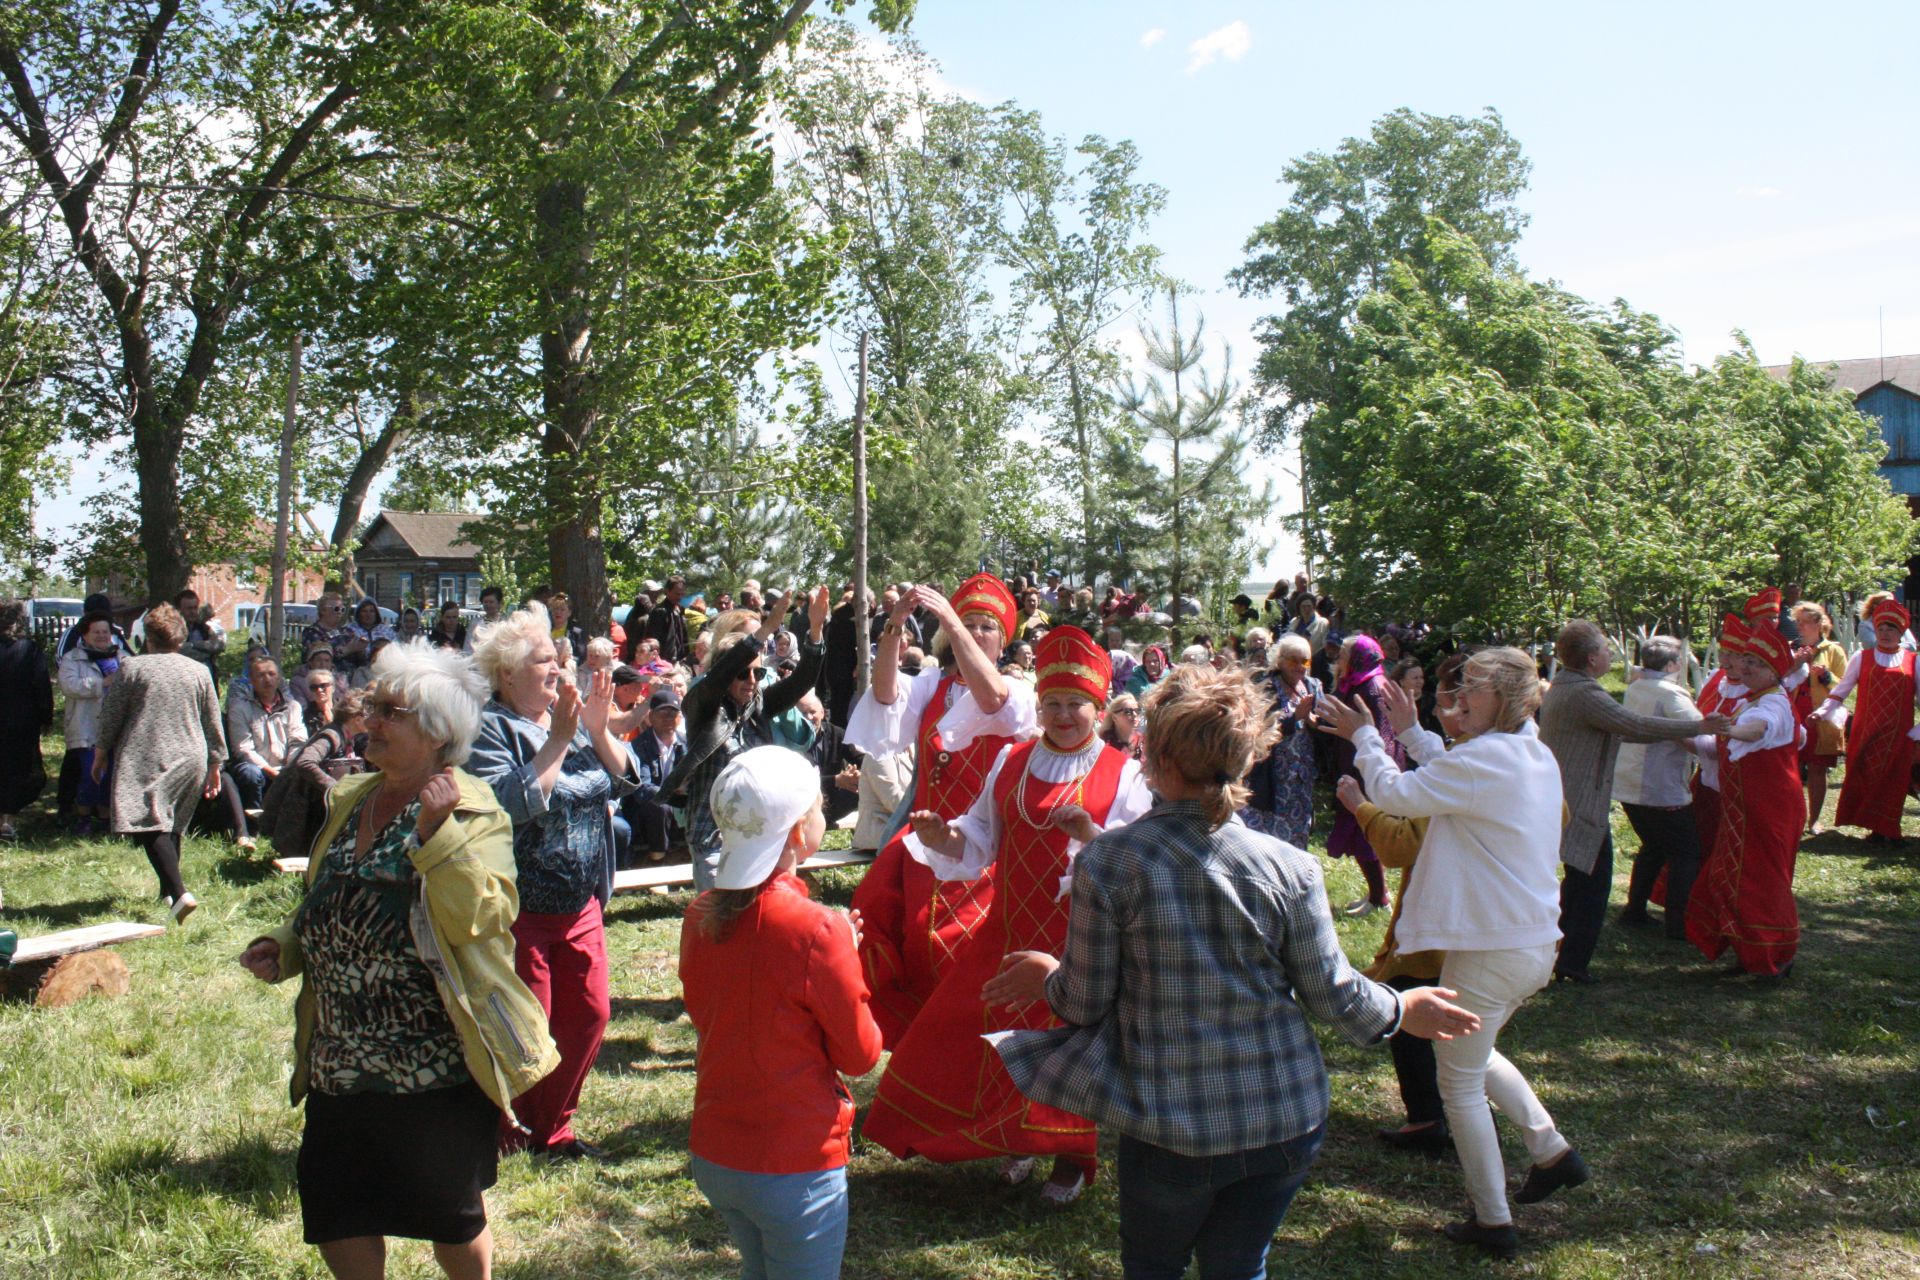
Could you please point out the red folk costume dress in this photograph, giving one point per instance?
(1879, 740)
(946, 1095)
(912, 923)
(1743, 898)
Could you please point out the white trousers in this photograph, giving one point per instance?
(1494, 984)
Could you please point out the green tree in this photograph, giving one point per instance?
(1200, 531)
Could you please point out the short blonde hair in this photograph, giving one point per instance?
(1819, 610)
(732, 622)
(444, 689)
(1209, 726)
(600, 647)
(505, 645)
(1510, 676)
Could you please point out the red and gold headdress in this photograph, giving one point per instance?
(1764, 606)
(1735, 636)
(1068, 660)
(984, 593)
(1767, 644)
(1889, 610)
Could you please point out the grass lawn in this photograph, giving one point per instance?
(1734, 1129)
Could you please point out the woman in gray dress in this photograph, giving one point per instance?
(160, 735)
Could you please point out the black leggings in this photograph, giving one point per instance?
(1414, 1064)
(163, 851)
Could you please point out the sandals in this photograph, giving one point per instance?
(1015, 1170)
(1058, 1195)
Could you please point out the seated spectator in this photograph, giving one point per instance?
(295, 806)
(318, 658)
(263, 728)
(206, 638)
(366, 628)
(599, 657)
(449, 631)
(658, 747)
(839, 764)
(322, 698)
(409, 629)
(1017, 664)
(565, 630)
(361, 677)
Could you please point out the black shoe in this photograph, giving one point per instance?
(1580, 979)
(574, 1150)
(1568, 1171)
(1634, 917)
(1501, 1242)
(1430, 1139)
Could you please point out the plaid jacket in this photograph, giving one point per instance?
(1190, 954)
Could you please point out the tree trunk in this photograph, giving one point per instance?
(1077, 401)
(163, 538)
(372, 461)
(576, 556)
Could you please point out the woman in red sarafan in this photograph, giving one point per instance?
(946, 1095)
(1880, 740)
(1744, 896)
(957, 723)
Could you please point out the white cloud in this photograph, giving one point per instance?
(1153, 37)
(1759, 193)
(1230, 42)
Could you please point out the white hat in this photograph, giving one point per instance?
(756, 801)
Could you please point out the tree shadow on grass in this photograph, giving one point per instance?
(63, 915)
(658, 1009)
(633, 908)
(249, 1171)
(243, 869)
(637, 1055)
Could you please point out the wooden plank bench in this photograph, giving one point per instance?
(56, 969)
(661, 878)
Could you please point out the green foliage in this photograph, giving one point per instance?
(1511, 456)
(1353, 213)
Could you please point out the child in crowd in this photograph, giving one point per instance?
(773, 987)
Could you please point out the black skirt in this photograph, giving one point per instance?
(398, 1164)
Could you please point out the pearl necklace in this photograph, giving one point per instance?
(1089, 749)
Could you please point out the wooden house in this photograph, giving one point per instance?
(419, 558)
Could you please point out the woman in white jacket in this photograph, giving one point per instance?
(1487, 895)
(85, 672)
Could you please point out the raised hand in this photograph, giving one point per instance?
(1402, 712)
(817, 610)
(565, 717)
(1348, 791)
(1346, 718)
(595, 711)
(438, 799)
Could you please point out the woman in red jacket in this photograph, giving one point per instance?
(773, 986)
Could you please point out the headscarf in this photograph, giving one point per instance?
(1363, 666)
(1166, 664)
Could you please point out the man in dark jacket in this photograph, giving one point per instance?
(668, 624)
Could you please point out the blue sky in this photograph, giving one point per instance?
(1749, 166)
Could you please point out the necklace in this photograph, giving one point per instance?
(1077, 788)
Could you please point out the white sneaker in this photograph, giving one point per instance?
(1364, 907)
(183, 907)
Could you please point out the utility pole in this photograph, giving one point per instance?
(276, 600)
(862, 649)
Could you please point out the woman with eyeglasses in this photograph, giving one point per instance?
(1120, 727)
(732, 710)
(556, 767)
(412, 1034)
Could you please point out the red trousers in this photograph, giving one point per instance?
(563, 961)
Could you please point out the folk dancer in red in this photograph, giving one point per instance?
(1744, 896)
(958, 724)
(946, 1095)
(1880, 739)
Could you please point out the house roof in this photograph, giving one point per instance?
(1859, 376)
(432, 535)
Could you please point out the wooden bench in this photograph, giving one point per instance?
(662, 878)
(56, 969)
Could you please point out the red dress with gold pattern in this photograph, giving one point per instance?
(1879, 753)
(1744, 896)
(912, 924)
(945, 1094)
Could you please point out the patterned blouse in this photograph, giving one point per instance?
(380, 1026)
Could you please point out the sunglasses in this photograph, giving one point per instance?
(751, 673)
(319, 686)
(1126, 711)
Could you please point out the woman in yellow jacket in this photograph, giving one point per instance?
(412, 1033)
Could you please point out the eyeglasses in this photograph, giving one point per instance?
(382, 707)
(1126, 711)
(751, 673)
(319, 686)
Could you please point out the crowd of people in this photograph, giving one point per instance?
(1083, 846)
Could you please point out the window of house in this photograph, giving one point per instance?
(406, 590)
(475, 585)
(449, 586)
(370, 583)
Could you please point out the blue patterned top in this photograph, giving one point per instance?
(563, 841)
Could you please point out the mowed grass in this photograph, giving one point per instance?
(1735, 1129)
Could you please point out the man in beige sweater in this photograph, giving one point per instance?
(1583, 726)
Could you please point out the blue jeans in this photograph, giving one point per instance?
(1223, 1209)
(787, 1226)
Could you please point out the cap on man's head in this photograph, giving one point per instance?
(756, 801)
(663, 699)
(625, 675)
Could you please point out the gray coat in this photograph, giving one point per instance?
(1584, 727)
(161, 721)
